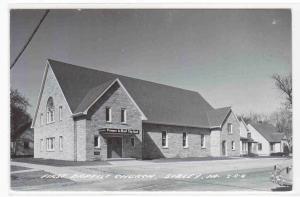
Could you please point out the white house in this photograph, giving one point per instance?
(269, 140)
(247, 144)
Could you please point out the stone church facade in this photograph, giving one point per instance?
(84, 114)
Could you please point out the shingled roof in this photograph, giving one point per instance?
(217, 116)
(268, 131)
(160, 103)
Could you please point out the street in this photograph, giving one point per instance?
(236, 174)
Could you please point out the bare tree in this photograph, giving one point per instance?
(284, 84)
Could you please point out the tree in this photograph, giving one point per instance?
(282, 119)
(254, 117)
(284, 84)
(19, 118)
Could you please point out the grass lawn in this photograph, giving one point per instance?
(58, 163)
(18, 168)
(33, 179)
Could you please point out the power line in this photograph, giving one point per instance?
(29, 39)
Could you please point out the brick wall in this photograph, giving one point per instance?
(153, 142)
(215, 143)
(58, 128)
(116, 98)
(235, 136)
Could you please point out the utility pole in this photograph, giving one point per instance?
(30, 38)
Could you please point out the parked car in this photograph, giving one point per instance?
(283, 175)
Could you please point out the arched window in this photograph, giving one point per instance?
(50, 110)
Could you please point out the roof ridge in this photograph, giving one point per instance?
(89, 68)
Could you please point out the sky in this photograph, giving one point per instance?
(228, 56)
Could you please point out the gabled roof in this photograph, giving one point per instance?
(242, 121)
(92, 96)
(160, 103)
(268, 131)
(217, 116)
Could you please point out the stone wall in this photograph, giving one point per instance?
(116, 98)
(229, 137)
(153, 142)
(64, 127)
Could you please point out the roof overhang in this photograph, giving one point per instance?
(122, 86)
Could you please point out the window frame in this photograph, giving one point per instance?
(123, 113)
(60, 143)
(132, 141)
(271, 147)
(98, 141)
(60, 113)
(233, 145)
(26, 145)
(185, 143)
(48, 145)
(41, 119)
(164, 139)
(229, 128)
(202, 143)
(50, 111)
(259, 146)
(41, 145)
(109, 114)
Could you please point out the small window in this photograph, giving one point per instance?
(164, 139)
(42, 119)
(50, 144)
(41, 144)
(232, 145)
(60, 113)
(229, 128)
(108, 114)
(123, 115)
(272, 147)
(97, 141)
(259, 146)
(26, 145)
(132, 141)
(50, 110)
(202, 140)
(184, 140)
(60, 143)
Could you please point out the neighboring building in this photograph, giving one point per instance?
(23, 143)
(86, 114)
(268, 138)
(247, 145)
